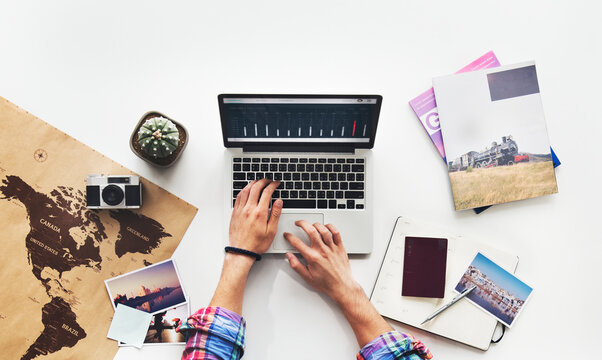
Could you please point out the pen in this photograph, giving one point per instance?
(446, 306)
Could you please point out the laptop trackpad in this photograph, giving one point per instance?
(287, 224)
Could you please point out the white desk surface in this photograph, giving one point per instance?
(93, 68)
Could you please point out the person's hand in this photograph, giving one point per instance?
(252, 227)
(327, 268)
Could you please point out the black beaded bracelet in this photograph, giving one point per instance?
(236, 250)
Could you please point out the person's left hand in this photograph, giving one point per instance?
(252, 226)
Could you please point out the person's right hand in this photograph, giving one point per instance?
(327, 268)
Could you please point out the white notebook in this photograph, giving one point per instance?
(463, 322)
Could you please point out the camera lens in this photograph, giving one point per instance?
(112, 195)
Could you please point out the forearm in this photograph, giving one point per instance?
(230, 289)
(366, 322)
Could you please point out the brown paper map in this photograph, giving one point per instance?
(56, 253)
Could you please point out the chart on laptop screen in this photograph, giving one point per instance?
(302, 120)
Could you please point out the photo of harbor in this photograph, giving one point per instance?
(497, 292)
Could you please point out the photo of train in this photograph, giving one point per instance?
(505, 153)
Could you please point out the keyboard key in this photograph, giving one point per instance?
(235, 193)
(350, 161)
(339, 194)
(359, 177)
(356, 186)
(323, 176)
(337, 168)
(287, 176)
(255, 167)
(265, 167)
(294, 160)
(319, 168)
(281, 186)
(346, 168)
(328, 167)
(301, 168)
(341, 177)
(311, 194)
(239, 184)
(256, 160)
(274, 167)
(321, 194)
(299, 204)
(359, 161)
(326, 185)
(357, 168)
(259, 176)
(303, 160)
(247, 160)
(343, 186)
(292, 167)
(307, 185)
(250, 176)
(314, 177)
(237, 160)
(334, 185)
(302, 194)
(305, 176)
(354, 194)
(322, 160)
(322, 204)
(284, 160)
(332, 204)
(296, 176)
(265, 160)
(341, 206)
(316, 186)
(359, 206)
(313, 161)
(278, 176)
(276, 194)
(284, 194)
(332, 161)
(238, 176)
(350, 204)
(246, 167)
(298, 185)
(289, 185)
(351, 177)
(294, 194)
(236, 167)
(330, 194)
(275, 160)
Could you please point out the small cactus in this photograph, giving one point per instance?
(158, 137)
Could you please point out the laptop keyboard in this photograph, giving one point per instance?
(306, 182)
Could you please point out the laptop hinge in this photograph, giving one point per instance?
(299, 148)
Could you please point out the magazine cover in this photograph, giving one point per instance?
(495, 135)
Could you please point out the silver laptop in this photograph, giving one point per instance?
(318, 146)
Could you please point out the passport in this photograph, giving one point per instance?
(424, 264)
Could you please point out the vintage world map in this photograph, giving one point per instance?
(58, 252)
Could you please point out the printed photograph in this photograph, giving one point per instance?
(498, 292)
(162, 328)
(495, 136)
(152, 289)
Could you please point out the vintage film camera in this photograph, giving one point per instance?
(113, 192)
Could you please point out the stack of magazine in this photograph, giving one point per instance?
(487, 122)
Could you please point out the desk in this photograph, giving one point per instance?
(93, 68)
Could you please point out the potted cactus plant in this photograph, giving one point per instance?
(158, 139)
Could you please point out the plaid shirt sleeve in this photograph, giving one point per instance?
(394, 345)
(213, 333)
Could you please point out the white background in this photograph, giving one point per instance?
(92, 68)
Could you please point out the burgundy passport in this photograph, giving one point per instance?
(424, 267)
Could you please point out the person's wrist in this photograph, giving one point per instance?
(238, 263)
(349, 295)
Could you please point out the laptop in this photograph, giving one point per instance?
(318, 146)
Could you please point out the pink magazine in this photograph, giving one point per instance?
(425, 107)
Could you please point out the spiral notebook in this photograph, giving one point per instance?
(463, 322)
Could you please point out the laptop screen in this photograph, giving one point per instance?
(299, 119)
